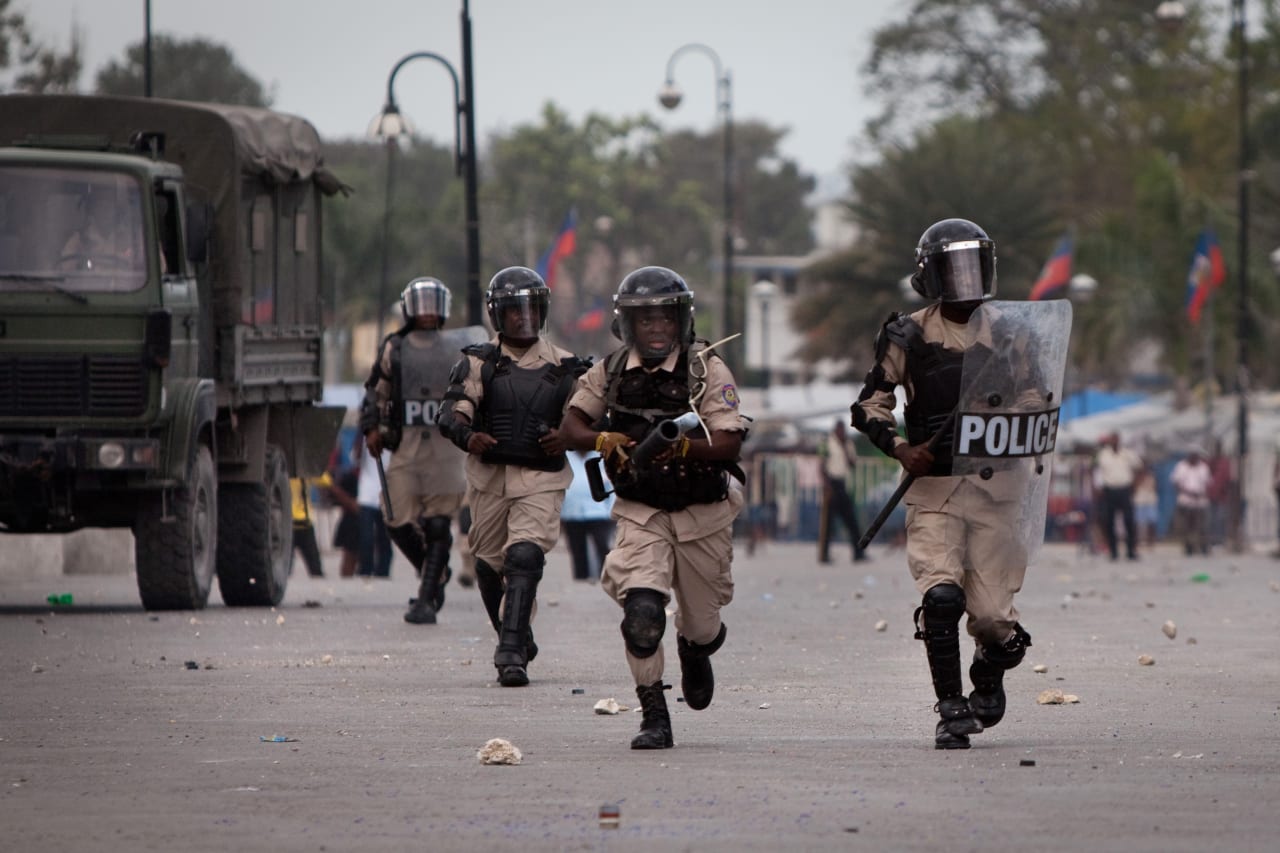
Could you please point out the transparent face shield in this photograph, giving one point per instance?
(961, 272)
(655, 325)
(424, 299)
(521, 315)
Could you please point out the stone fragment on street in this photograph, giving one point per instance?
(882, 626)
(499, 751)
(1054, 696)
(1039, 668)
(1146, 660)
(609, 706)
(1170, 630)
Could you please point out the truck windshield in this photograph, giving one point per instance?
(82, 229)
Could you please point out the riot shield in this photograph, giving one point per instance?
(424, 371)
(1006, 421)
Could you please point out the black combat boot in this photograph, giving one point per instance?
(987, 674)
(655, 727)
(938, 624)
(491, 590)
(696, 678)
(523, 570)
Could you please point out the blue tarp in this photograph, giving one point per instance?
(1092, 401)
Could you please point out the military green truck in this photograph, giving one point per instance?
(160, 333)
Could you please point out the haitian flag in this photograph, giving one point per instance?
(1208, 272)
(593, 319)
(1056, 273)
(561, 247)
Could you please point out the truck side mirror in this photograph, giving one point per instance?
(199, 221)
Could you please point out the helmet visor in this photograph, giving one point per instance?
(424, 299)
(655, 325)
(963, 271)
(520, 315)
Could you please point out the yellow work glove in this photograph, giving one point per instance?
(608, 443)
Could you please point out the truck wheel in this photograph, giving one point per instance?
(176, 557)
(255, 536)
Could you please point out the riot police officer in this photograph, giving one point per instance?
(503, 407)
(962, 551)
(674, 506)
(425, 479)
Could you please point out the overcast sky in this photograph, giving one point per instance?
(794, 63)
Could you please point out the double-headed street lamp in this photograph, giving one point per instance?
(670, 96)
(390, 124)
(1170, 14)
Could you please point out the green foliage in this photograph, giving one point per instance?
(1128, 130)
(185, 70)
(38, 68)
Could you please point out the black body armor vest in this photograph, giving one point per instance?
(520, 405)
(638, 401)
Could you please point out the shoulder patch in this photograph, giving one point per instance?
(730, 395)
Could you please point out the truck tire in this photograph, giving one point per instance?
(175, 557)
(255, 536)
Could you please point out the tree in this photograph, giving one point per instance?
(1139, 123)
(184, 70)
(960, 167)
(39, 68)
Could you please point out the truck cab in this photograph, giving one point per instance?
(160, 330)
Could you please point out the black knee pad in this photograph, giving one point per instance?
(524, 559)
(944, 602)
(644, 621)
(1010, 653)
(436, 529)
(940, 609)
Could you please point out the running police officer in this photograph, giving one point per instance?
(675, 511)
(964, 550)
(503, 407)
(425, 479)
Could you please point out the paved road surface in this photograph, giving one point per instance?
(820, 736)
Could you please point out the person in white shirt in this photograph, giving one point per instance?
(1116, 469)
(1191, 478)
(838, 460)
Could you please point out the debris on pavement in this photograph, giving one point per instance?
(609, 706)
(1146, 660)
(609, 816)
(578, 691)
(327, 659)
(1170, 630)
(1054, 696)
(58, 598)
(499, 751)
(35, 667)
(1039, 668)
(276, 739)
(1027, 762)
(191, 664)
(764, 706)
(882, 626)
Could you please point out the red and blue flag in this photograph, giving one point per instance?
(1056, 274)
(1208, 272)
(561, 247)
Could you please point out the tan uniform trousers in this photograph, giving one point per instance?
(500, 521)
(969, 541)
(687, 554)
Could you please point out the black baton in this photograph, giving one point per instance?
(896, 497)
(382, 482)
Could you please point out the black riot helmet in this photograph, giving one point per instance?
(654, 300)
(518, 300)
(955, 262)
(424, 296)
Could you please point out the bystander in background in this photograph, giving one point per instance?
(304, 528)
(1117, 468)
(587, 523)
(375, 542)
(1191, 478)
(838, 461)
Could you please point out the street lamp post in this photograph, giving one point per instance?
(1170, 15)
(764, 292)
(670, 96)
(390, 124)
